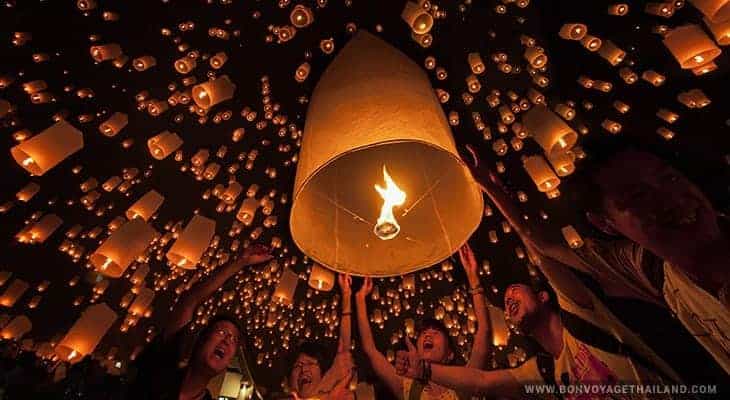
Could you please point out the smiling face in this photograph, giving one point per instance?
(433, 345)
(522, 306)
(305, 375)
(219, 346)
(653, 204)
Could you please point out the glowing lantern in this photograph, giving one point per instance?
(611, 53)
(321, 278)
(139, 274)
(562, 163)
(548, 130)
(541, 174)
(146, 206)
(142, 302)
(591, 43)
(121, 248)
(619, 9)
(287, 286)
(28, 192)
(86, 333)
(690, 46)
(536, 57)
(144, 63)
(41, 230)
(48, 148)
(4, 108)
(573, 31)
(163, 144)
(714, 10)
(721, 31)
(475, 63)
(572, 237)
(105, 52)
(218, 60)
(417, 17)
(16, 328)
(192, 242)
(301, 16)
(212, 92)
(185, 65)
(13, 292)
(247, 211)
(500, 332)
(386, 104)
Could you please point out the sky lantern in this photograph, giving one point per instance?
(192, 242)
(394, 185)
(121, 248)
(48, 148)
(86, 333)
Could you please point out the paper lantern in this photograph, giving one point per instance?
(16, 328)
(212, 92)
(143, 63)
(611, 53)
(232, 192)
(105, 52)
(619, 9)
(142, 302)
(690, 46)
(321, 278)
(13, 292)
(226, 385)
(218, 60)
(4, 276)
(500, 331)
(541, 174)
(571, 236)
(39, 231)
(146, 206)
(114, 124)
(536, 57)
(417, 18)
(121, 248)
(548, 130)
(714, 10)
(139, 274)
(192, 242)
(591, 42)
(163, 144)
(4, 108)
(247, 212)
(721, 31)
(28, 192)
(48, 148)
(286, 288)
(185, 65)
(475, 63)
(394, 122)
(86, 333)
(562, 163)
(301, 16)
(573, 31)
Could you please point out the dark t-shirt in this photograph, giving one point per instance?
(158, 375)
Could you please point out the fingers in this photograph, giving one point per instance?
(348, 279)
(409, 344)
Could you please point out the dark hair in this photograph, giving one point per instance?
(537, 284)
(208, 329)
(433, 323)
(311, 349)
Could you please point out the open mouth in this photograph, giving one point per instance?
(304, 380)
(513, 308)
(219, 353)
(427, 344)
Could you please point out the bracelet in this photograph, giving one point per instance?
(476, 290)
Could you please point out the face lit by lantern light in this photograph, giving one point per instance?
(387, 227)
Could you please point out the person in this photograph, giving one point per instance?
(159, 375)
(654, 210)
(573, 352)
(306, 379)
(432, 342)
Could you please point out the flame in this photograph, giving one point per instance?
(387, 227)
(72, 355)
(28, 161)
(106, 264)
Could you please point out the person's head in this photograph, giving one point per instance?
(528, 302)
(433, 342)
(307, 368)
(638, 195)
(216, 345)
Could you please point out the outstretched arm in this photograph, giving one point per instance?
(482, 345)
(182, 314)
(345, 339)
(381, 366)
(529, 232)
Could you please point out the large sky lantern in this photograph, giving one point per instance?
(549, 130)
(16, 328)
(146, 206)
(691, 46)
(378, 169)
(192, 242)
(121, 248)
(714, 10)
(45, 150)
(86, 333)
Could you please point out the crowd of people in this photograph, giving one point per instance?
(660, 242)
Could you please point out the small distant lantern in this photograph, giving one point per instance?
(163, 144)
(212, 92)
(571, 236)
(286, 288)
(321, 278)
(417, 18)
(114, 124)
(146, 206)
(105, 52)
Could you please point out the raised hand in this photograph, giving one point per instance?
(345, 282)
(365, 289)
(469, 261)
(254, 254)
(411, 364)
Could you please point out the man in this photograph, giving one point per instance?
(574, 353)
(639, 197)
(432, 342)
(158, 373)
(306, 379)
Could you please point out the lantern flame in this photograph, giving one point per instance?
(387, 227)
(72, 355)
(106, 264)
(28, 161)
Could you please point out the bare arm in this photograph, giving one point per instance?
(182, 314)
(381, 366)
(482, 345)
(530, 233)
(345, 339)
(499, 383)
